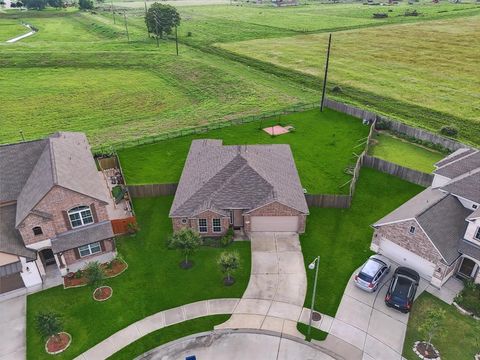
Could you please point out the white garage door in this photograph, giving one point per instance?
(274, 223)
(406, 258)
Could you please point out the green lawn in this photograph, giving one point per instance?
(322, 146)
(168, 334)
(429, 80)
(10, 29)
(153, 282)
(457, 337)
(404, 153)
(342, 236)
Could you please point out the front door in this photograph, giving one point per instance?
(48, 257)
(468, 268)
(237, 219)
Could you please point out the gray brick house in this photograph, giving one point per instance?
(248, 187)
(437, 232)
(53, 209)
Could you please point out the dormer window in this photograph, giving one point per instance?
(37, 230)
(80, 216)
(477, 234)
(412, 230)
(474, 206)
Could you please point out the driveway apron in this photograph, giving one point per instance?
(12, 328)
(276, 291)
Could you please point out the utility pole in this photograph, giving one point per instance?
(176, 39)
(326, 72)
(126, 25)
(113, 13)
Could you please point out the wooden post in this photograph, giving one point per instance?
(113, 12)
(126, 25)
(176, 39)
(326, 72)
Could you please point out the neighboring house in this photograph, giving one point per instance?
(437, 232)
(248, 187)
(53, 209)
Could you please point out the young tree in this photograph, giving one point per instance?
(431, 324)
(49, 324)
(229, 262)
(35, 4)
(94, 274)
(161, 19)
(85, 4)
(187, 241)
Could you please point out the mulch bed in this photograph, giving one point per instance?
(116, 268)
(186, 265)
(228, 282)
(425, 351)
(102, 293)
(59, 343)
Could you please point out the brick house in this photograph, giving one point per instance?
(53, 210)
(437, 232)
(248, 188)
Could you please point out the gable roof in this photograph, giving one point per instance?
(244, 177)
(10, 239)
(445, 224)
(460, 165)
(456, 155)
(467, 187)
(65, 161)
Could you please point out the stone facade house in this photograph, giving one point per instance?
(53, 210)
(437, 232)
(248, 188)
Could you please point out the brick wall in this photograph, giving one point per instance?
(275, 209)
(70, 256)
(55, 202)
(417, 243)
(193, 223)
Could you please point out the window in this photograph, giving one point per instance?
(477, 235)
(474, 206)
(184, 221)
(37, 230)
(231, 217)
(89, 249)
(202, 226)
(216, 225)
(412, 230)
(79, 216)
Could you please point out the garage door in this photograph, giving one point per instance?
(406, 258)
(274, 223)
(10, 282)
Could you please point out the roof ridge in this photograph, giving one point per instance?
(460, 158)
(434, 204)
(463, 176)
(53, 162)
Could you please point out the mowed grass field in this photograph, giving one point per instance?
(425, 73)
(10, 29)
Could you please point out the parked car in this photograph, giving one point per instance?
(402, 289)
(372, 272)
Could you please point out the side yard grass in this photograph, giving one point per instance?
(457, 338)
(322, 144)
(167, 334)
(153, 282)
(342, 236)
(404, 153)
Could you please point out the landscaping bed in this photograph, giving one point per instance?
(469, 298)
(110, 269)
(59, 343)
(457, 338)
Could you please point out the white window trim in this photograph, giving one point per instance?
(89, 247)
(206, 226)
(220, 225)
(476, 236)
(410, 230)
(79, 212)
(41, 230)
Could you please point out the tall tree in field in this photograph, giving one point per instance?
(35, 4)
(161, 19)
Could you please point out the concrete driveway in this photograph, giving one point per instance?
(12, 328)
(238, 346)
(276, 290)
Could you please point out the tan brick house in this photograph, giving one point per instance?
(53, 209)
(437, 232)
(248, 188)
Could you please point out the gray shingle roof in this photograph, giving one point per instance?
(468, 248)
(9, 269)
(460, 153)
(16, 164)
(467, 187)
(65, 161)
(82, 236)
(458, 167)
(413, 207)
(225, 177)
(445, 225)
(475, 214)
(10, 239)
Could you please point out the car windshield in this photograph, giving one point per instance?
(401, 288)
(369, 270)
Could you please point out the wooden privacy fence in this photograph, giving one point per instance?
(120, 226)
(108, 162)
(149, 190)
(395, 126)
(328, 201)
(413, 176)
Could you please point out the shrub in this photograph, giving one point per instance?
(380, 15)
(48, 324)
(337, 89)
(187, 241)
(449, 130)
(229, 262)
(189, 34)
(78, 274)
(382, 125)
(227, 238)
(94, 274)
